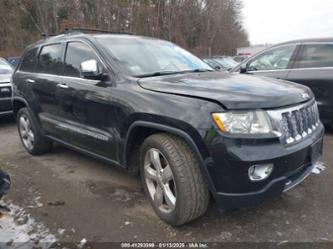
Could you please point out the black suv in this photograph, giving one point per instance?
(308, 62)
(148, 106)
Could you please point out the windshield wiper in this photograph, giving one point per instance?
(198, 70)
(156, 74)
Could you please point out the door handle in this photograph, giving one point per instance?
(64, 86)
(31, 81)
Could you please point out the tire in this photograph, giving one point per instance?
(29, 131)
(185, 183)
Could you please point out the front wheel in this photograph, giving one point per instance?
(30, 135)
(172, 179)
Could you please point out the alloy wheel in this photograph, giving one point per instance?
(26, 132)
(160, 181)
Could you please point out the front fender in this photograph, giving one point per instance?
(194, 141)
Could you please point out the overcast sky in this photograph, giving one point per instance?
(273, 21)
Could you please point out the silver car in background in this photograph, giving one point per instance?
(6, 71)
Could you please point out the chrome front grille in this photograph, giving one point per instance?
(295, 123)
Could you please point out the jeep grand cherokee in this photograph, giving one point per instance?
(148, 106)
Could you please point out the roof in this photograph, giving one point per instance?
(309, 40)
(81, 35)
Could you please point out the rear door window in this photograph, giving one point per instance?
(29, 61)
(50, 59)
(316, 55)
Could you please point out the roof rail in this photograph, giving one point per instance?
(46, 35)
(86, 30)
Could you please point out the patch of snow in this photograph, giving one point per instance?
(82, 243)
(318, 168)
(23, 231)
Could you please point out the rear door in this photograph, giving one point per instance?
(44, 84)
(314, 68)
(275, 62)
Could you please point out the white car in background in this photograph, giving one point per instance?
(6, 71)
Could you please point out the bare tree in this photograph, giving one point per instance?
(197, 25)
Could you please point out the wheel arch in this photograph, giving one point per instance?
(18, 103)
(143, 129)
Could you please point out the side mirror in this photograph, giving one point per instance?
(89, 70)
(243, 68)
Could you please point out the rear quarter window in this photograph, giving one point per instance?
(29, 60)
(316, 56)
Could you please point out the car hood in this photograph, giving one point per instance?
(232, 90)
(5, 78)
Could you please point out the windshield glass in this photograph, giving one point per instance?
(5, 68)
(142, 56)
(226, 62)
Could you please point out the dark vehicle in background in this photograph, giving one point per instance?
(148, 106)
(14, 60)
(5, 184)
(307, 62)
(6, 71)
(214, 64)
(226, 62)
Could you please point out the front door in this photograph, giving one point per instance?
(273, 63)
(86, 111)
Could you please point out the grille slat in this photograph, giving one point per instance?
(294, 124)
(5, 91)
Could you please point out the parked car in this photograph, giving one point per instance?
(148, 106)
(214, 64)
(308, 62)
(6, 71)
(14, 60)
(240, 58)
(226, 62)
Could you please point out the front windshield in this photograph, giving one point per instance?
(5, 68)
(226, 62)
(140, 56)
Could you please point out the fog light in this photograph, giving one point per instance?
(260, 172)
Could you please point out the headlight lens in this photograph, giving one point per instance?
(243, 122)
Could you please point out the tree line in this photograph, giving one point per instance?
(201, 26)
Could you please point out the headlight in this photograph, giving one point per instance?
(243, 122)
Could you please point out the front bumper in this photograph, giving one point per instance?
(6, 107)
(231, 159)
(274, 188)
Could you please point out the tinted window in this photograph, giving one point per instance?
(29, 61)
(273, 59)
(50, 59)
(316, 56)
(77, 52)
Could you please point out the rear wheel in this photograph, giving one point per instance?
(172, 179)
(30, 135)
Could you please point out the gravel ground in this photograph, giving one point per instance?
(69, 197)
